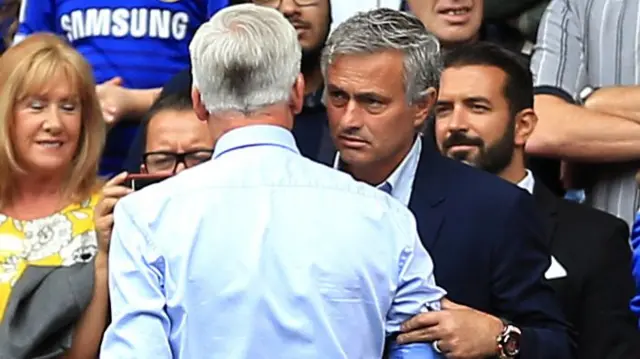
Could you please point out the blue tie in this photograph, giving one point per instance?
(386, 188)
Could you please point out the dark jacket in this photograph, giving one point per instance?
(593, 248)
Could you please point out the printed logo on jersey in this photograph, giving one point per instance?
(120, 22)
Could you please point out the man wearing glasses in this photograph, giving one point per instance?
(312, 21)
(174, 140)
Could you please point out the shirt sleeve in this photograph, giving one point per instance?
(558, 60)
(35, 16)
(417, 290)
(214, 5)
(140, 326)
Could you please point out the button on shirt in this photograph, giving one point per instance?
(261, 253)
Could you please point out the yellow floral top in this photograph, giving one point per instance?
(61, 239)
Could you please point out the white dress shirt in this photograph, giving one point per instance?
(528, 182)
(401, 179)
(261, 253)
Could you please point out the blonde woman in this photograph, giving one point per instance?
(53, 286)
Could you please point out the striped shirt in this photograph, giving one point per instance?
(592, 43)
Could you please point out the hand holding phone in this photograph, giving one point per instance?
(138, 181)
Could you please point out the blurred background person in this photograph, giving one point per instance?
(242, 258)
(312, 19)
(484, 116)
(133, 47)
(8, 22)
(175, 139)
(461, 22)
(53, 271)
(586, 73)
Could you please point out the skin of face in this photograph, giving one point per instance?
(47, 129)
(177, 132)
(371, 121)
(451, 21)
(474, 122)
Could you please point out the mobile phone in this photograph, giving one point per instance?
(138, 181)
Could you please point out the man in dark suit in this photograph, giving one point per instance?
(483, 117)
(381, 69)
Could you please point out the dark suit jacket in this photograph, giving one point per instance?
(593, 247)
(485, 239)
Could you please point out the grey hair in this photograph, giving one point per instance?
(384, 30)
(245, 58)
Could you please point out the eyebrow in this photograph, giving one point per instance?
(466, 99)
(477, 99)
(361, 95)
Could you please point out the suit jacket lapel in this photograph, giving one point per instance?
(548, 204)
(428, 195)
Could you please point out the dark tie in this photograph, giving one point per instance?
(386, 188)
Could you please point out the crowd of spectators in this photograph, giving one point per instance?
(506, 128)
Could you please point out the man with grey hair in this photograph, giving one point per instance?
(381, 69)
(261, 253)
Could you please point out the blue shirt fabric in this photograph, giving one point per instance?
(262, 253)
(635, 243)
(145, 42)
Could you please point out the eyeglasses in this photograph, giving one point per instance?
(277, 3)
(163, 161)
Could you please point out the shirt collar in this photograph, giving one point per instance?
(402, 176)
(527, 183)
(255, 135)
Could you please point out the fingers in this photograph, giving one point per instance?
(115, 192)
(109, 115)
(429, 334)
(104, 224)
(117, 180)
(111, 193)
(448, 305)
(421, 320)
(116, 81)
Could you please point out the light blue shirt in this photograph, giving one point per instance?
(261, 253)
(401, 179)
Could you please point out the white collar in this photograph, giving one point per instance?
(401, 179)
(528, 182)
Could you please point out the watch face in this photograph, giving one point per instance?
(511, 346)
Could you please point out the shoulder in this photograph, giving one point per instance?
(592, 222)
(465, 180)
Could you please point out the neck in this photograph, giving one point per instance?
(378, 172)
(312, 81)
(34, 197)
(452, 45)
(516, 171)
(275, 115)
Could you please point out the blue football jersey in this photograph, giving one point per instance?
(145, 42)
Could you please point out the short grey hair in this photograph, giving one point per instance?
(382, 30)
(245, 58)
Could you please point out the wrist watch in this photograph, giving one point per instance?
(585, 93)
(509, 341)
